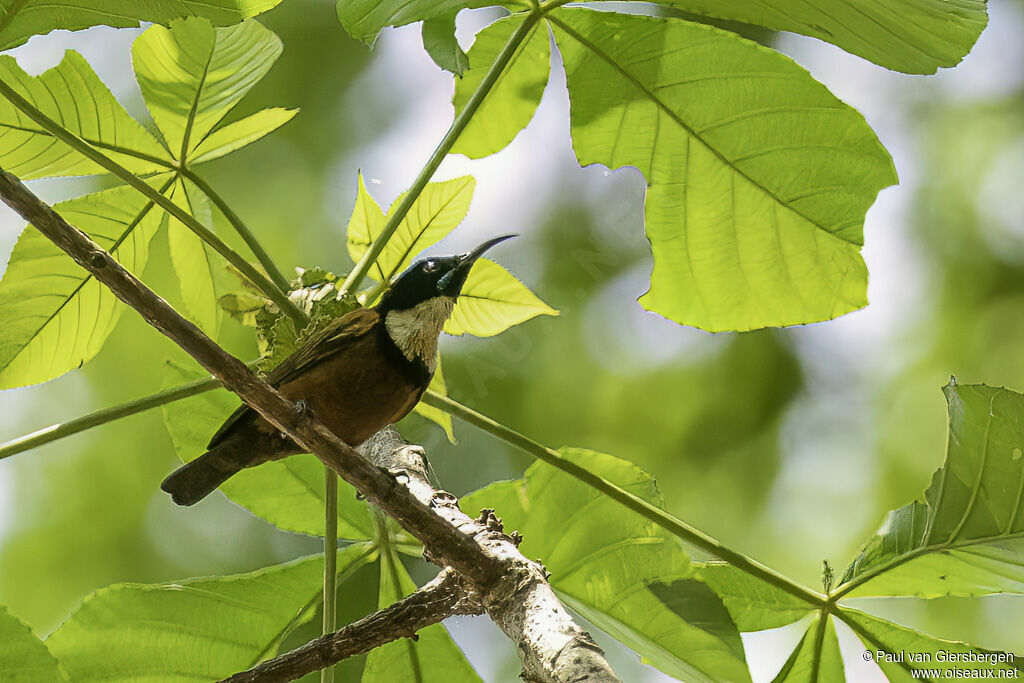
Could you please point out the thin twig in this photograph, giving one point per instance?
(445, 596)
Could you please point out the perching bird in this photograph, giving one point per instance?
(362, 372)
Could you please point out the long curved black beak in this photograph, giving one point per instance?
(451, 283)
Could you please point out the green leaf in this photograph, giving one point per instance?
(440, 43)
(759, 178)
(433, 656)
(434, 214)
(493, 300)
(436, 415)
(192, 74)
(363, 19)
(227, 139)
(73, 95)
(193, 259)
(514, 98)
(197, 629)
(22, 19)
(24, 658)
(602, 558)
(56, 315)
(816, 657)
(966, 537)
(288, 493)
(889, 643)
(754, 604)
(913, 36)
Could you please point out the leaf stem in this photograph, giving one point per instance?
(330, 562)
(673, 525)
(241, 228)
(278, 296)
(355, 278)
(101, 417)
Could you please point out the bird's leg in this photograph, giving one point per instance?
(301, 408)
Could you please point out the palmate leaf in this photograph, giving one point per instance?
(197, 629)
(287, 493)
(74, 96)
(56, 315)
(603, 559)
(492, 299)
(433, 656)
(192, 74)
(913, 36)
(22, 19)
(758, 177)
(24, 658)
(514, 98)
(966, 537)
(435, 213)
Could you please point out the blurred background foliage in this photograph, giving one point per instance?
(787, 445)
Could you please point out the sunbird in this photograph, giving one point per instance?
(360, 373)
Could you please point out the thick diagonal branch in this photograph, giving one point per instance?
(437, 600)
(520, 601)
(513, 590)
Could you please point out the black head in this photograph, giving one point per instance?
(432, 277)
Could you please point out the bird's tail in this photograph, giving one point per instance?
(193, 481)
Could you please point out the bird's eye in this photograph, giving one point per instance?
(430, 266)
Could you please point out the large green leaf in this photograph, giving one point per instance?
(192, 74)
(434, 214)
(192, 630)
(898, 650)
(816, 657)
(56, 315)
(23, 657)
(22, 19)
(493, 300)
(603, 558)
(514, 98)
(74, 96)
(363, 19)
(288, 493)
(914, 36)
(433, 656)
(966, 537)
(759, 178)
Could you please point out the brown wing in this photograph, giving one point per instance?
(334, 337)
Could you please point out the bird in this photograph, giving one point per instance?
(360, 373)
